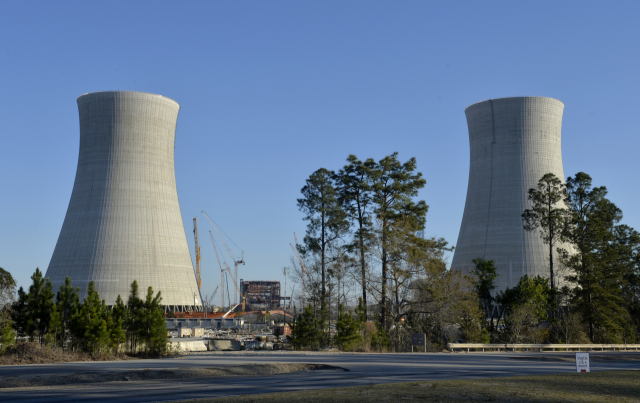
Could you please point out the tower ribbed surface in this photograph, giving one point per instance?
(513, 143)
(124, 222)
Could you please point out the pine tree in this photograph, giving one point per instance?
(347, 331)
(393, 186)
(599, 281)
(484, 274)
(90, 324)
(153, 325)
(327, 220)
(471, 318)
(117, 334)
(379, 339)
(66, 307)
(38, 307)
(532, 291)
(158, 335)
(354, 187)
(7, 295)
(133, 323)
(19, 313)
(120, 317)
(361, 311)
(56, 332)
(548, 214)
(304, 331)
(7, 336)
(628, 243)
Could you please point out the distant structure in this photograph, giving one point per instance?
(513, 143)
(123, 222)
(261, 294)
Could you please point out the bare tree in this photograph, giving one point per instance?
(7, 296)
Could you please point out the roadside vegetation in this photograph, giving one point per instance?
(83, 330)
(372, 278)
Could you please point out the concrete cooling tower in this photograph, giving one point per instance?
(124, 222)
(513, 143)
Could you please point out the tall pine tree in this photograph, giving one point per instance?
(354, 186)
(67, 303)
(90, 324)
(598, 280)
(548, 214)
(394, 185)
(327, 221)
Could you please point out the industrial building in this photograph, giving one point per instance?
(123, 222)
(513, 142)
(261, 295)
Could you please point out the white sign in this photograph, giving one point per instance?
(582, 362)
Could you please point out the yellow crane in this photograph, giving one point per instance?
(195, 234)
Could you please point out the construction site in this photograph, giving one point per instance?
(250, 314)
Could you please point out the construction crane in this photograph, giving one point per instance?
(244, 297)
(206, 302)
(236, 263)
(221, 269)
(230, 310)
(195, 235)
(304, 270)
(209, 299)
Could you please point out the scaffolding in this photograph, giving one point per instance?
(261, 294)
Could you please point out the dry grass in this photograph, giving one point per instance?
(144, 375)
(609, 386)
(34, 353)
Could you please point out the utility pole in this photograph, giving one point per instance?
(195, 303)
(285, 271)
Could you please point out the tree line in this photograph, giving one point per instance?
(593, 291)
(62, 320)
(364, 248)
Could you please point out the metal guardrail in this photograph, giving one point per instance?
(540, 347)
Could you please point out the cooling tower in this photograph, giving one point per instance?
(513, 142)
(124, 222)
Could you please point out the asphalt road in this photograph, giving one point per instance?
(362, 369)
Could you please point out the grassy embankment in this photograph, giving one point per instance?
(606, 386)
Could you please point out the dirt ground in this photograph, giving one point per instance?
(34, 353)
(155, 374)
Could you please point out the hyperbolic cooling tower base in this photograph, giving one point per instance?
(513, 143)
(124, 222)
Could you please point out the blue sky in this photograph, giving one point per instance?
(272, 91)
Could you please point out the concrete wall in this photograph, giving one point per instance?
(205, 323)
(513, 143)
(183, 346)
(123, 222)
